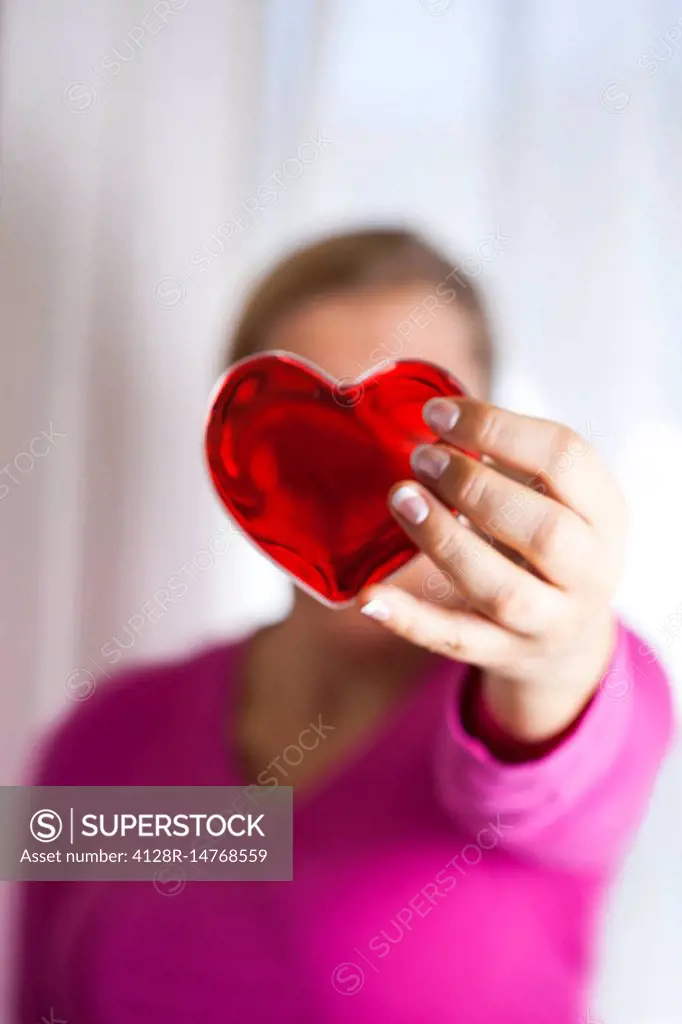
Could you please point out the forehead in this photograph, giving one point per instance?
(347, 335)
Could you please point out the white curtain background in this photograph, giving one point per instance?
(134, 137)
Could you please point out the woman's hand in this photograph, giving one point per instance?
(535, 568)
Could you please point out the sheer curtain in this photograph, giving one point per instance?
(135, 138)
(130, 132)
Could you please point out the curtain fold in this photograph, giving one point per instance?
(130, 135)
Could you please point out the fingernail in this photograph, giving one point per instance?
(410, 504)
(376, 609)
(429, 460)
(441, 414)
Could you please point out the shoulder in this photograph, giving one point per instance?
(136, 726)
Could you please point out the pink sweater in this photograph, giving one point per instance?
(433, 882)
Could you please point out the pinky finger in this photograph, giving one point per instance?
(463, 636)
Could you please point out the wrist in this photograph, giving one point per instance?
(536, 708)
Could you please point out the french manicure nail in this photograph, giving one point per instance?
(410, 504)
(429, 460)
(376, 609)
(441, 414)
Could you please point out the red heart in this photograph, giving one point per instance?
(304, 464)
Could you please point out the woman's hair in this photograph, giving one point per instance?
(358, 261)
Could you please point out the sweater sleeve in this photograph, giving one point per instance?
(576, 804)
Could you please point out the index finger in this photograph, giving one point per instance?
(554, 459)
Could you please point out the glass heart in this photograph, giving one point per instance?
(304, 464)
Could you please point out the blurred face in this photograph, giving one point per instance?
(349, 335)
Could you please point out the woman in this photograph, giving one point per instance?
(488, 733)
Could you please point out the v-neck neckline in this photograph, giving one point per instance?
(396, 724)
